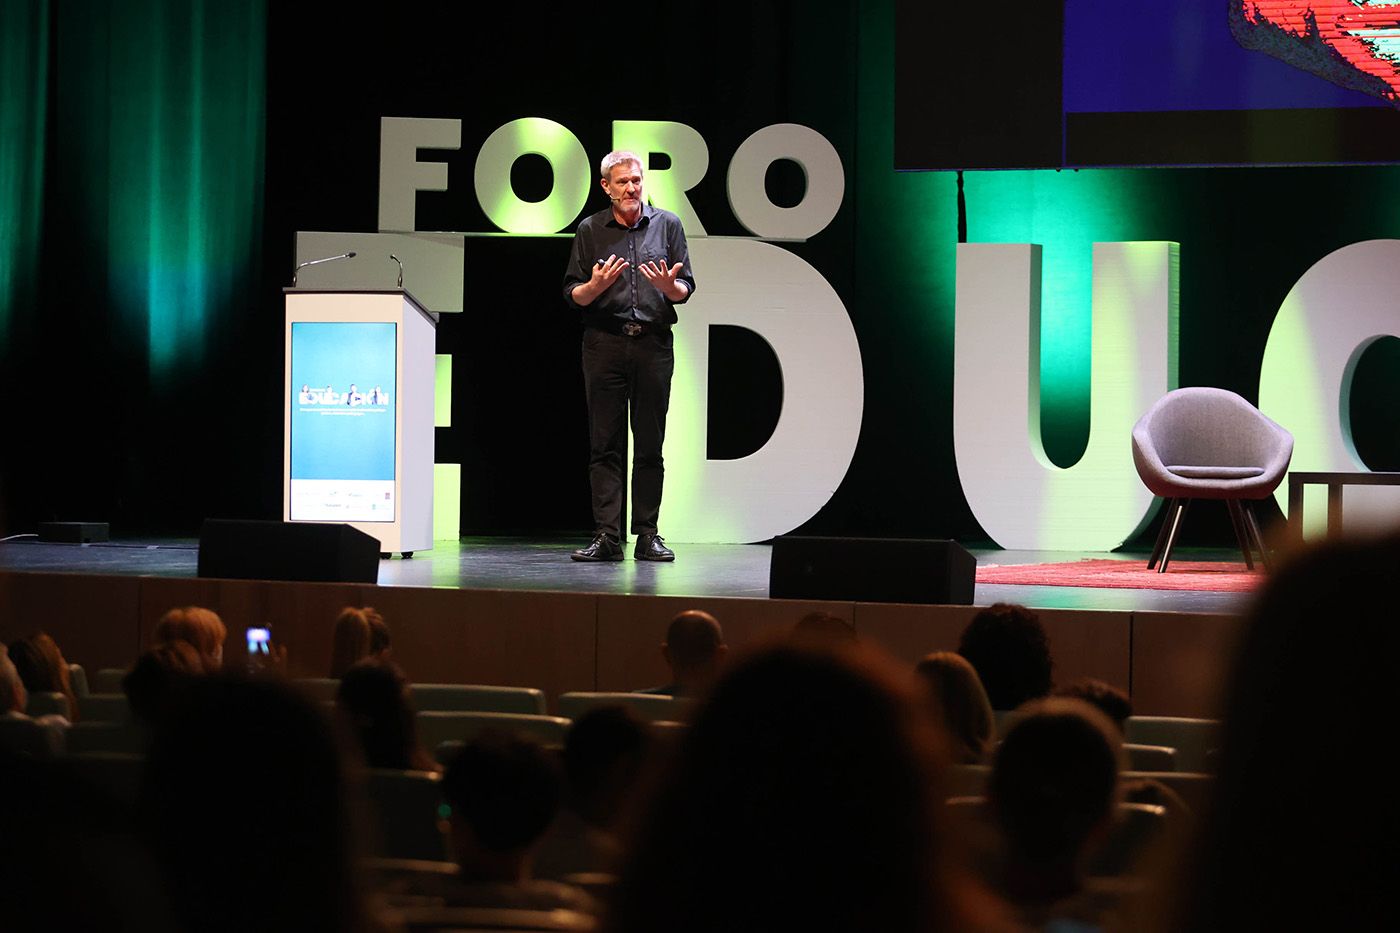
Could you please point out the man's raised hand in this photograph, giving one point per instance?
(665, 279)
(605, 272)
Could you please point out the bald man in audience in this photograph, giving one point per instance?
(694, 650)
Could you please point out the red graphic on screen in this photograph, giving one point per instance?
(1353, 43)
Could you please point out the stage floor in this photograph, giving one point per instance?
(701, 570)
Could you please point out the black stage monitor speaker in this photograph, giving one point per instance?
(872, 570)
(321, 553)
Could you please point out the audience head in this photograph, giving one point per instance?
(157, 676)
(246, 801)
(694, 649)
(605, 753)
(13, 697)
(805, 795)
(1007, 646)
(1054, 782)
(503, 791)
(1104, 697)
(41, 666)
(823, 628)
(960, 703)
(1299, 831)
(374, 699)
(359, 634)
(199, 627)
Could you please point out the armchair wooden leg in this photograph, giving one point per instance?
(1242, 533)
(1253, 525)
(1162, 534)
(1175, 519)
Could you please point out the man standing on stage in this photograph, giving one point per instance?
(628, 270)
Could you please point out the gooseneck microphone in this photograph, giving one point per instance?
(317, 262)
(400, 262)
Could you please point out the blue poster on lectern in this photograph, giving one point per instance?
(342, 421)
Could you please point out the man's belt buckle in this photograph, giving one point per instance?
(632, 329)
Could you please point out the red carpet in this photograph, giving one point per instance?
(1128, 575)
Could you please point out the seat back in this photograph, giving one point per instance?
(48, 704)
(127, 737)
(78, 678)
(648, 706)
(319, 689)
(438, 726)
(479, 698)
(107, 680)
(1150, 757)
(404, 805)
(484, 919)
(23, 736)
(1194, 739)
(1193, 789)
(106, 707)
(1136, 828)
(1202, 425)
(968, 780)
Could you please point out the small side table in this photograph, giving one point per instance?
(1334, 482)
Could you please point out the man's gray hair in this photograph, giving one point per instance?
(618, 157)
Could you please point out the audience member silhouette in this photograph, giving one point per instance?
(503, 791)
(157, 677)
(374, 700)
(13, 695)
(807, 795)
(1300, 831)
(43, 669)
(1008, 648)
(199, 627)
(21, 734)
(246, 802)
(72, 858)
(960, 703)
(606, 752)
(1103, 696)
(1052, 794)
(359, 634)
(694, 649)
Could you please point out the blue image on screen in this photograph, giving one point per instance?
(343, 380)
(1130, 56)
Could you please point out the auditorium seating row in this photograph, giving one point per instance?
(405, 804)
(458, 711)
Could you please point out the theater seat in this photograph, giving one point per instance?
(437, 726)
(648, 706)
(479, 698)
(1195, 740)
(1150, 757)
(405, 809)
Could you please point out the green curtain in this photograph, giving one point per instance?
(159, 125)
(24, 43)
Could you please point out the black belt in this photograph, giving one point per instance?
(629, 328)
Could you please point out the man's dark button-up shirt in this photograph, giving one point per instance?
(656, 237)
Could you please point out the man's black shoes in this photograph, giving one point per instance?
(604, 547)
(652, 547)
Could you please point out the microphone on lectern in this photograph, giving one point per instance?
(317, 262)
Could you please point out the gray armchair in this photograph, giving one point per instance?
(1206, 443)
